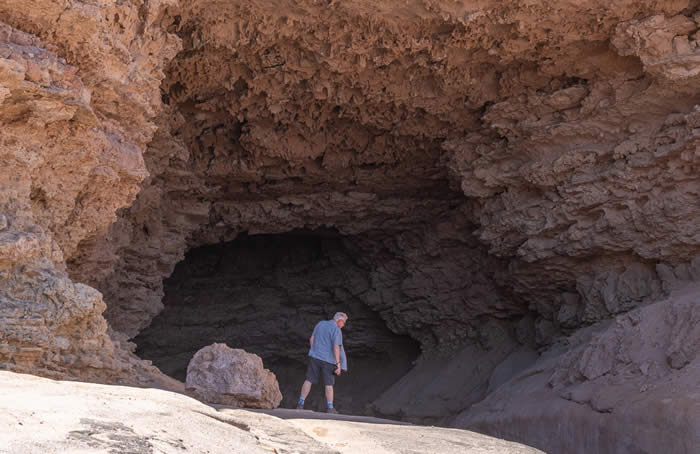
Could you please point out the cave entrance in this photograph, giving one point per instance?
(264, 294)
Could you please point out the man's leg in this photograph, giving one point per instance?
(305, 388)
(329, 381)
(329, 399)
(313, 375)
(329, 396)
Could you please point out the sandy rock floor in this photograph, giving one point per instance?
(362, 434)
(38, 415)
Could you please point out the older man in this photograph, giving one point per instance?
(326, 358)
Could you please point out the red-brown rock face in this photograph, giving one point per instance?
(230, 376)
(505, 178)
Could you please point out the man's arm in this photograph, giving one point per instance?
(336, 353)
(337, 342)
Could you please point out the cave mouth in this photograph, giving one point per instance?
(264, 293)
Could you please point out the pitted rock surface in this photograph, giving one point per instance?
(219, 374)
(506, 174)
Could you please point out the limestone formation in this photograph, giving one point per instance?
(219, 374)
(489, 181)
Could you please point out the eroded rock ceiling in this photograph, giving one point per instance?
(510, 173)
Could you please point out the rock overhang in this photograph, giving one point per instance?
(572, 140)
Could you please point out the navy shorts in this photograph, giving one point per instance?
(317, 369)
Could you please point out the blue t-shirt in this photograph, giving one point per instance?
(327, 335)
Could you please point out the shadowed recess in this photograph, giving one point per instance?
(264, 294)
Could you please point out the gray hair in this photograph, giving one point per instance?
(340, 316)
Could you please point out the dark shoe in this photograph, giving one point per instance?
(332, 411)
(300, 406)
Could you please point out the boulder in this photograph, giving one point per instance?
(231, 376)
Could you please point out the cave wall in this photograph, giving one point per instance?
(79, 91)
(522, 168)
(608, 388)
(265, 294)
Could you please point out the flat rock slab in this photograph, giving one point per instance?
(39, 415)
(353, 437)
(364, 434)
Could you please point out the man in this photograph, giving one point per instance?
(326, 358)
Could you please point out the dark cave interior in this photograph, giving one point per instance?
(264, 294)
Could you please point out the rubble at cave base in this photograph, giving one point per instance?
(219, 374)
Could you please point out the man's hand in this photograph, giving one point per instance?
(337, 369)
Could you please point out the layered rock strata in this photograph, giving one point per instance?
(509, 174)
(72, 155)
(639, 370)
